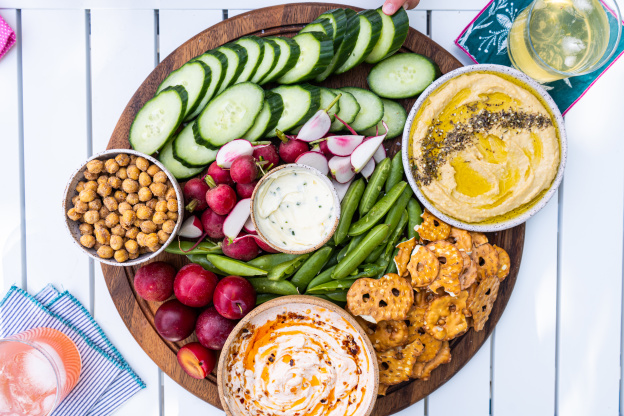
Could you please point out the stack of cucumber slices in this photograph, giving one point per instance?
(218, 97)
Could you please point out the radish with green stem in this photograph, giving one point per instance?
(213, 224)
(365, 151)
(261, 243)
(347, 126)
(368, 169)
(380, 154)
(315, 160)
(243, 248)
(340, 168)
(317, 126)
(250, 227)
(290, 148)
(236, 219)
(191, 228)
(244, 169)
(220, 175)
(266, 152)
(230, 151)
(195, 195)
(220, 198)
(343, 145)
(245, 190)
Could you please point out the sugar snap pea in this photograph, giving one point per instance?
(414, 211)
(203, 261)
(348, 206)
(323, 277)
(333, 260)
(311, 268)
(368, 270)
(380, 209)
(184, 248)
(396, 171)
(327, 298)
(374, 255)
(375, 186)
(268, 261)
(234, 267)
(358, 255)
(286, 269)
(396, 212)
(391, 264)
(277, 287)
(394, 240)
(338, 296)
(332, 286)
(264, 297)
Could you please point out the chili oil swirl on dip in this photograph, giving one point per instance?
(304, 361)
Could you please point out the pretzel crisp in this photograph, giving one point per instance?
(486, 259)
(483, 301)
(423, 370)
(430, 344)
(478, 238)
(504, 263)
(451, 264)
(396, 364)
(445, 319)
(462, 239)
(385, 334)
(423, 267)
(415, 321)
(403, 257)
(469, 273)
(389, 298)
(383, 389)
(432, 228)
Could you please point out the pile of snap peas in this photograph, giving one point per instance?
(375, 217)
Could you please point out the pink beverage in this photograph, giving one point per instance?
(38, 368)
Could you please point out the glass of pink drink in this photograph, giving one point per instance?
(38, 368)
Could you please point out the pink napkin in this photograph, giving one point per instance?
(7, 37)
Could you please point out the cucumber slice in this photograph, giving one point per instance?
(349, 109)
(317, 51)
(177, 169)
(327, 96)
(338, 19)
(320, 25)
(288, 57)
(300, 103)
(269, 61)
(236, 60)
(268, 117)
(255, 52)
(194, 77)
(231, 114)
(371, 108)
(188, 152)
(159, 118)
(370, 30)
(403, 75)
(394, 116)
(217, 62)
(393, 33)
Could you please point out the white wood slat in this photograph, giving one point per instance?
(122, 55)
(524, 339)
(418, 20)
(446, 26)
(590, 278)
(10, 211)
(55, 143)
(179, 402)
(178, 26)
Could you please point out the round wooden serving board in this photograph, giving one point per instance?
(286, 20)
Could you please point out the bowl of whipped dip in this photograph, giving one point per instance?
(296, 356)
(295, 208)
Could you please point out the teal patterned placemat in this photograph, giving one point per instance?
(485, 42)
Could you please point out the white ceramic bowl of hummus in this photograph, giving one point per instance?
(503, 175)
(298, 355)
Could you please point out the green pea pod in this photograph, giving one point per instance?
(375, 186)
(368, 270)
(338, 296)
(277, 287)
(374, 255)
(265, 297)
(184, 248)
(392, 265)
(394, 240)
(321, 297)
(333, 260)
(414, 211)
(332, 286)
(348, 206)
(286, 269)
(311, 268)
(268, 261)
(341, 304)
(342, 253)
(380, 209)
(396, 172)
(359, 253)
(203, 261)
(234, 267)
(323, 277)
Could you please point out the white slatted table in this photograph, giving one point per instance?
(557, 348)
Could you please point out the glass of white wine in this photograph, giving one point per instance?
(556, 39)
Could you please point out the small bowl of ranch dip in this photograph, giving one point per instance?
(295, 209)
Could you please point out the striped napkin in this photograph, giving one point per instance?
(106, 380)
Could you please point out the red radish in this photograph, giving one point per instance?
(195, 194)
(194, 285)
(175, 321)
(364, 152)
(325, 149)
(340, 168)
(318, 125)
(191, 228)
(230, 151)
(289, 150)
(368, 169)
(245, 190)
(314, 160)
(250, 227)
(346, 125)
(380, 154)
(316, 148)
(213, 329)
(221, 198)
(213, 224)
(244, 169)
(343, 145)
(267, 153)
(219, 175)
(341, 188)
(234, 297)
(196, 360)
(154, 281)
(263, 244)
(243, 249)
(237, 218)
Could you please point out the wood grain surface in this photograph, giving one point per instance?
(138, 315)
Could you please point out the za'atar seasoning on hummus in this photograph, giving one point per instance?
(482, 147)
(296, 361)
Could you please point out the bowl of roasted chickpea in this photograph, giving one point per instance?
(122, 207)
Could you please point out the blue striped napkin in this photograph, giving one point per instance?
(106, 380)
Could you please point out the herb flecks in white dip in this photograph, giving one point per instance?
(295, 209)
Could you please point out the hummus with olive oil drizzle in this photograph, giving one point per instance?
(482, 147)
(304, 361)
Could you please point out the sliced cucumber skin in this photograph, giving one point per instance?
(338, 18)
(235, 64)
(320, 59)
(371, 108)
(217, 62)
(188, 152)
(269, 61)
(383, 83)
(396, 26)
(178, 170)
(250, 67)
(311, 93)
(321, 24)
(191, 106)
(349, 109)
(274, 107)
(287, 60)
(252, 96)
(327, 96)
(200, 140)
(365, 43)
(158, 144)
(394, 116)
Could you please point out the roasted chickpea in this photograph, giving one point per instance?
(73, 215)
(127, 219)
(131, 246)
(102, 179)
(75, 199)
(137, 206)
(121, 256)
(122, 159)
(97, 245)
(161, 206)
(101, 223)
(132, 233)
(170, 194)
(114, 182)
(81, 207)
(132, 198)
(143, 213)
(91, 185)
(159, 218)
(145, 194)
(102, 235)
(116, 242)
(90, 176)
(154, 248)
(130, 185)
(104, 190)
(91, 217)
(85, 228)
(80, 186)
(172, 215)
(105, 252)
(145, 179)
(95, 166)
(122, 173)
(110, 203)
(133, 256)
(133, 172)
(137, 223)
(148, 227)
(160, 177)
(142, 163)
(87, 240)
(111, 166)
(151, 204)
(172, 205)
(143, 250)
(112, 219)
(168, 226)
(162, 237)
(151, 240)
(140, 238)
(96, 204)
(104, 212)
(87, 195)
(158, 189)
(120, 196)
(123, 207)
(118, 230)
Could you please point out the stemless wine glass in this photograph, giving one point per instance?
(556, 39)
(38, 369)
